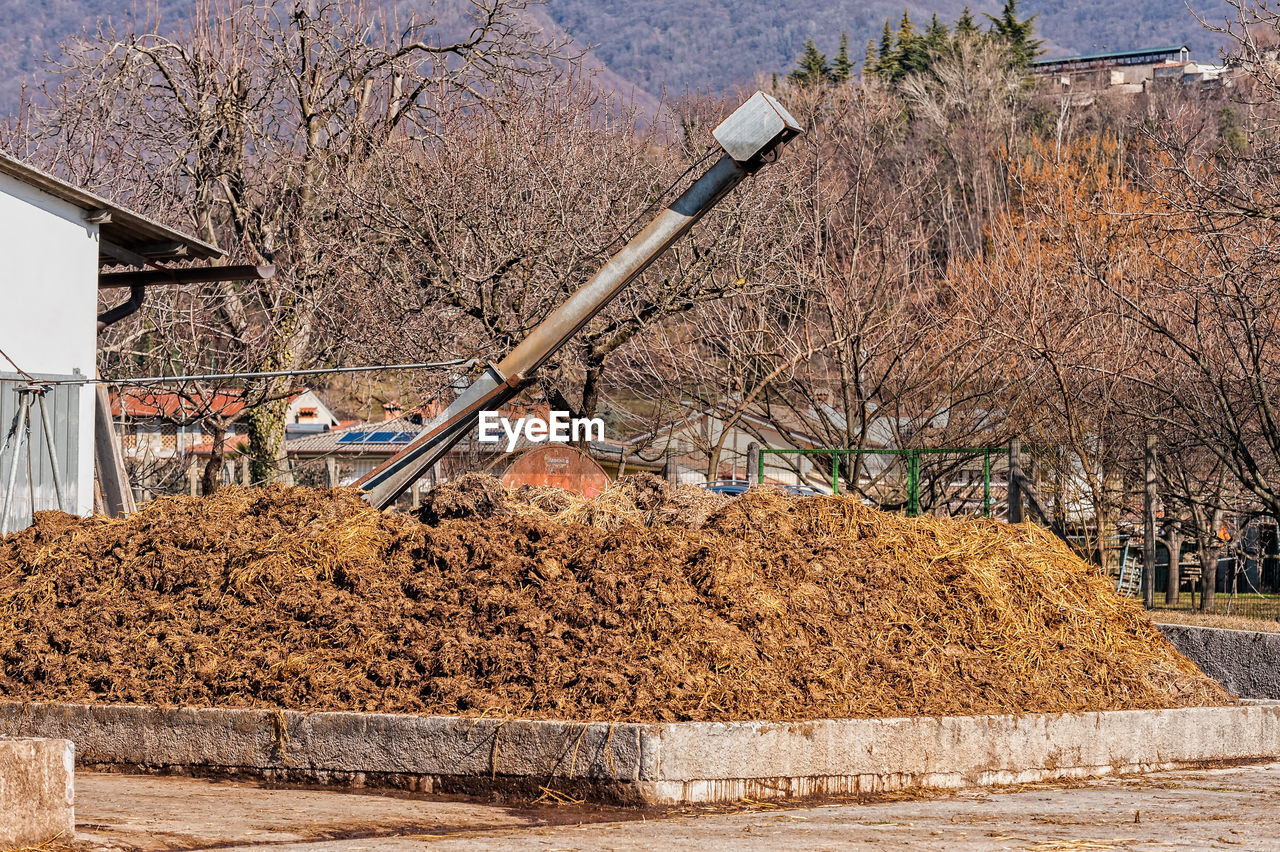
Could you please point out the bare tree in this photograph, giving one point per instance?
(246, 127)
(487, 232)
(842, 332)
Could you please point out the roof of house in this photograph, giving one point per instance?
(382, 438)
(386, 438)
(786, 425)
(119, 226)
(1119, 57)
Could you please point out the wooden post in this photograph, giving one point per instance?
(1112, 503)
(1015, 482)
(753, 462)
(108, 458)
(1173, 540)
(246, 477)
(1149, 527)
(193, 479)
(331, 472)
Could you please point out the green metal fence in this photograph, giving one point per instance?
(917, 472)
(1248, 583)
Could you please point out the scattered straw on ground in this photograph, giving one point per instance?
(1208, 619)
(645, 603)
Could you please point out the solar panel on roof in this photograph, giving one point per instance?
(378, 438)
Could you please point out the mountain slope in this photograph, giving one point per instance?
(694, 44)
(653, 45)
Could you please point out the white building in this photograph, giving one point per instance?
(54, 238)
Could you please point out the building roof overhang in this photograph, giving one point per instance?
(125, 237)
(1088, 61)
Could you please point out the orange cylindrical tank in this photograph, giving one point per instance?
(559, 466)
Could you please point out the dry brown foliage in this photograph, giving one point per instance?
(766, 607)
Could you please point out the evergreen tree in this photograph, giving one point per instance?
(905, 51)
(1017, 34)
(936, 36)
(910, 53)
(1231, 131)
(842, 68)
(812, 69)
(886, 63)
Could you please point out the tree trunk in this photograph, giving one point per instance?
(1112, 504)
(1208, 575)
(591, 387)
(1149, 525)
(211, 480)
(266, 443)
(1015, 515)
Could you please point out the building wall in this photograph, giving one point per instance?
(49, 293)
(308, 408)
(689, 444)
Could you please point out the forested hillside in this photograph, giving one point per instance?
(690, 44)
(31, 30)
(717, 43)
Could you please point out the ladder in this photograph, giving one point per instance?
(1129, 584)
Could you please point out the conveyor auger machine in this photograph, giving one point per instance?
(751, 137)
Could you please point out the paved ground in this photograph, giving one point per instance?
(1237, 808)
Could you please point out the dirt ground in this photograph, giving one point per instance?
(1233, 808)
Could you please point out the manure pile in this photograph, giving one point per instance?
(645, 603)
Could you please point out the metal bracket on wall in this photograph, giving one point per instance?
(19, 434)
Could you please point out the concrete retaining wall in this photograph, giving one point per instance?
(36, 792)
(1246, 663)
(652, 763)
(426, 754)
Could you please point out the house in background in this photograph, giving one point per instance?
(1082, 78)
(148, 421)
(341, 456)
(707, 445)
(55, 238)
(153, 440)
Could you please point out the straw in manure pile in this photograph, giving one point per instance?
(646, 603)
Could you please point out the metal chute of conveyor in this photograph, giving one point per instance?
(750, 138)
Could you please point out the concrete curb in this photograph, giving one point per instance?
(37, 792)
(1246, 663)
(426, 754)
(652, 763)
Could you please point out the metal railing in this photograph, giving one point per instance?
(913, 459)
